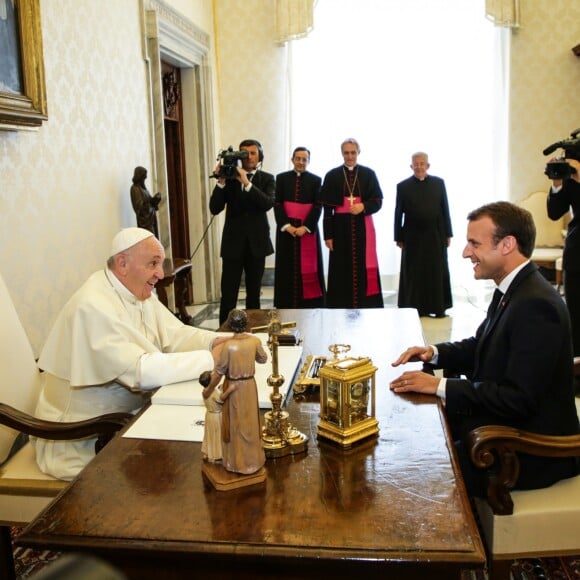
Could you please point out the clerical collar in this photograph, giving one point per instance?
(298, 173)
(118, 286)
(350, 168)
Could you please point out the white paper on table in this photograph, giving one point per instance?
(189, 392)
(169, 422)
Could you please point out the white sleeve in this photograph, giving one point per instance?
(157, 368)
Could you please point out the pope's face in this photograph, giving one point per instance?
(420, 166)
(251, 162)
(349, 154)
(141, 267)
(485, 254)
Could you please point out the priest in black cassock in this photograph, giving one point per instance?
(423, 232)
(299, 273)
(350, 195)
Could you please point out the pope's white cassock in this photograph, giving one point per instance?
(105, 351)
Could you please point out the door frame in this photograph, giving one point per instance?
(170, 37)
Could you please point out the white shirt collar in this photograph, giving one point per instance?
(505, 283)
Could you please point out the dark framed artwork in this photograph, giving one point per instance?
(22, 86)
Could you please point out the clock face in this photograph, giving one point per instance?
(359, 400)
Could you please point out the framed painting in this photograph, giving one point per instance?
(22, 86)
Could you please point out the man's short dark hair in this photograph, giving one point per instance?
(253, 143)
(297, 149)
(509, 220)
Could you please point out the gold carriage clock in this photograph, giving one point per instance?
(347, 398)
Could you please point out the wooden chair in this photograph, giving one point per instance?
(24, 489)
(532, 523)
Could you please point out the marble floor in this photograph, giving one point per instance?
(469, 308)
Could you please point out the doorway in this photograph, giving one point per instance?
(183, 126)
(176, 175)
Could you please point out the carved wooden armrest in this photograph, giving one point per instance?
(104, 426)
(494, 448)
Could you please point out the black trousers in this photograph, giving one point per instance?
(253, 269)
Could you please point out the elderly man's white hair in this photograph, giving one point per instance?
(350, 141)
(421, 154)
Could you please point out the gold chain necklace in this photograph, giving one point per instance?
(350, 189)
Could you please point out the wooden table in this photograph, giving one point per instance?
(392, 507)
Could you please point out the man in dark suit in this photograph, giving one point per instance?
(299, 271)
(519, 363)
(565, 196)
(246, 241)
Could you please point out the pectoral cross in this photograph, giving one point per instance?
(351, 190)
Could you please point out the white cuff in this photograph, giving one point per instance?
(158, 368)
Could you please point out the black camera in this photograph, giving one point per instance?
(559, 169)
(228, 159)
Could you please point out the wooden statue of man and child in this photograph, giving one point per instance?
(232, 422)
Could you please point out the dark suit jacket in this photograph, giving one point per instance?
(558, 205)
(520, 370)
(246, 224)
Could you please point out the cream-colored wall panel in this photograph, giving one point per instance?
(544, 88)
(252, 79)
(198, 11)
(64, 189)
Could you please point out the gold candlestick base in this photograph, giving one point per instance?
(279, 438)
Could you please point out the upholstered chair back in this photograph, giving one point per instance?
(19, 374)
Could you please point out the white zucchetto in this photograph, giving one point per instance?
(127, 238)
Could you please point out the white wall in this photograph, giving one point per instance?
(64, 189)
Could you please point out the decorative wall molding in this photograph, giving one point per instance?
(181, 37)
(171, 37)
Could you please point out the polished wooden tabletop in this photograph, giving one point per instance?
(392, 506)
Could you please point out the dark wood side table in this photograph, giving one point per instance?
(176, 270)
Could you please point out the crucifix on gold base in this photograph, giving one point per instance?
(279, 437)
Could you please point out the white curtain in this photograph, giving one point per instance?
(402, 76)
(294, 19)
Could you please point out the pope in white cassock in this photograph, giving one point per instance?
(112, 342)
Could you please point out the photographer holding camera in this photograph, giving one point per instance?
(563, 196)
(246, 193)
